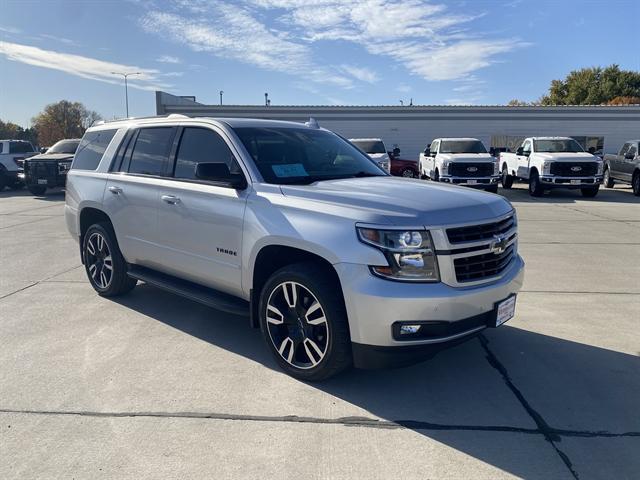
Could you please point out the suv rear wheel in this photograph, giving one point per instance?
(103, 262)
(304, 322)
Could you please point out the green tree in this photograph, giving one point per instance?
(11, 131)
(593, 86)
(63, 120)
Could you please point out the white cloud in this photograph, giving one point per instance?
(403, 88)
(360, 73)
(168, 59)
(234, 33)
(428, 39)
(80, 66)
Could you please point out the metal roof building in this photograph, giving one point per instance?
(411, 128)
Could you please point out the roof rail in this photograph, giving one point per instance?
(170, 115)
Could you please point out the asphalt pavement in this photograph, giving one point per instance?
(151, 385)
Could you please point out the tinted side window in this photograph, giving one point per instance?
(151, 151)
(434, 147)
(633, 150)
(20, 147)
(624, 149)
(91, 149)
(199, 145)
(527, 146)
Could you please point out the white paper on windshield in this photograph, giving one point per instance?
(290, 170)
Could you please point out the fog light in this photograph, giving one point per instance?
(409, 329)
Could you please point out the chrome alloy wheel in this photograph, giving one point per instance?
(297, 325)
(98, 260)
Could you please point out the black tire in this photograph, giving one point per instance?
(492, 189)
(37, 189)
(590, 192)
(506, 179)
(408, 173)
(635, 183)
(607, 180)
(17, 185)
(94, 256)
(3, 181)
(535, 187)
(288, 329)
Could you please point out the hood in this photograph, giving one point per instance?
(568, 157)
(53, 156)
(399, 201)
(466, 157)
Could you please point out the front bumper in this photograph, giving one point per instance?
(552, 181)
(48, 174)
(375, 305)
(479, 182)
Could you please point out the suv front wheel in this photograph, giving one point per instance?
(103, 262)
(304, 322)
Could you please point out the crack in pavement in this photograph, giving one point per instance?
(44, 280)
(551, 435)
(354, 421)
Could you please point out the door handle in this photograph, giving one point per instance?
(115, 190)
(170, 199)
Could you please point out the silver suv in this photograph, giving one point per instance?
(337, 262)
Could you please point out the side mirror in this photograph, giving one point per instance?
(520, 151)
(427, 152)
(219, 172)
(396, 152)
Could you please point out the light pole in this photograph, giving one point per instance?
(126, 89)
(221, 92)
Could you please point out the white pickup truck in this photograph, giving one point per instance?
(552, 162)
(460, 161)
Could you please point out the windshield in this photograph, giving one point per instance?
(370, 146)
(462, 146)
(65, 146)
(557, 145)
(303, 156)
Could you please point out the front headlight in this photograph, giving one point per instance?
(384, 164)
(600, 168)
(445, 167)
(409, 253)
(496, 166)
(546, 168)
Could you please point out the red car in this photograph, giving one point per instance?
(401, 167)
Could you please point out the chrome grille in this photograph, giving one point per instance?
(485, 231)
(486, 265)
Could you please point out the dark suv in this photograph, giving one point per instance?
(49, 169)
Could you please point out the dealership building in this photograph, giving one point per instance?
(411, 128)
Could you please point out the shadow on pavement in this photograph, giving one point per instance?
(618, 194)
(579, 391)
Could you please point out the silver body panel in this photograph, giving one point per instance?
(185, 238)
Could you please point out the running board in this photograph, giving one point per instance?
(193, 291)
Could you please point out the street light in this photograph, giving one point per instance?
(221, 92)
(126, 90)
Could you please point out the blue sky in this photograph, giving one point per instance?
(320, 52)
